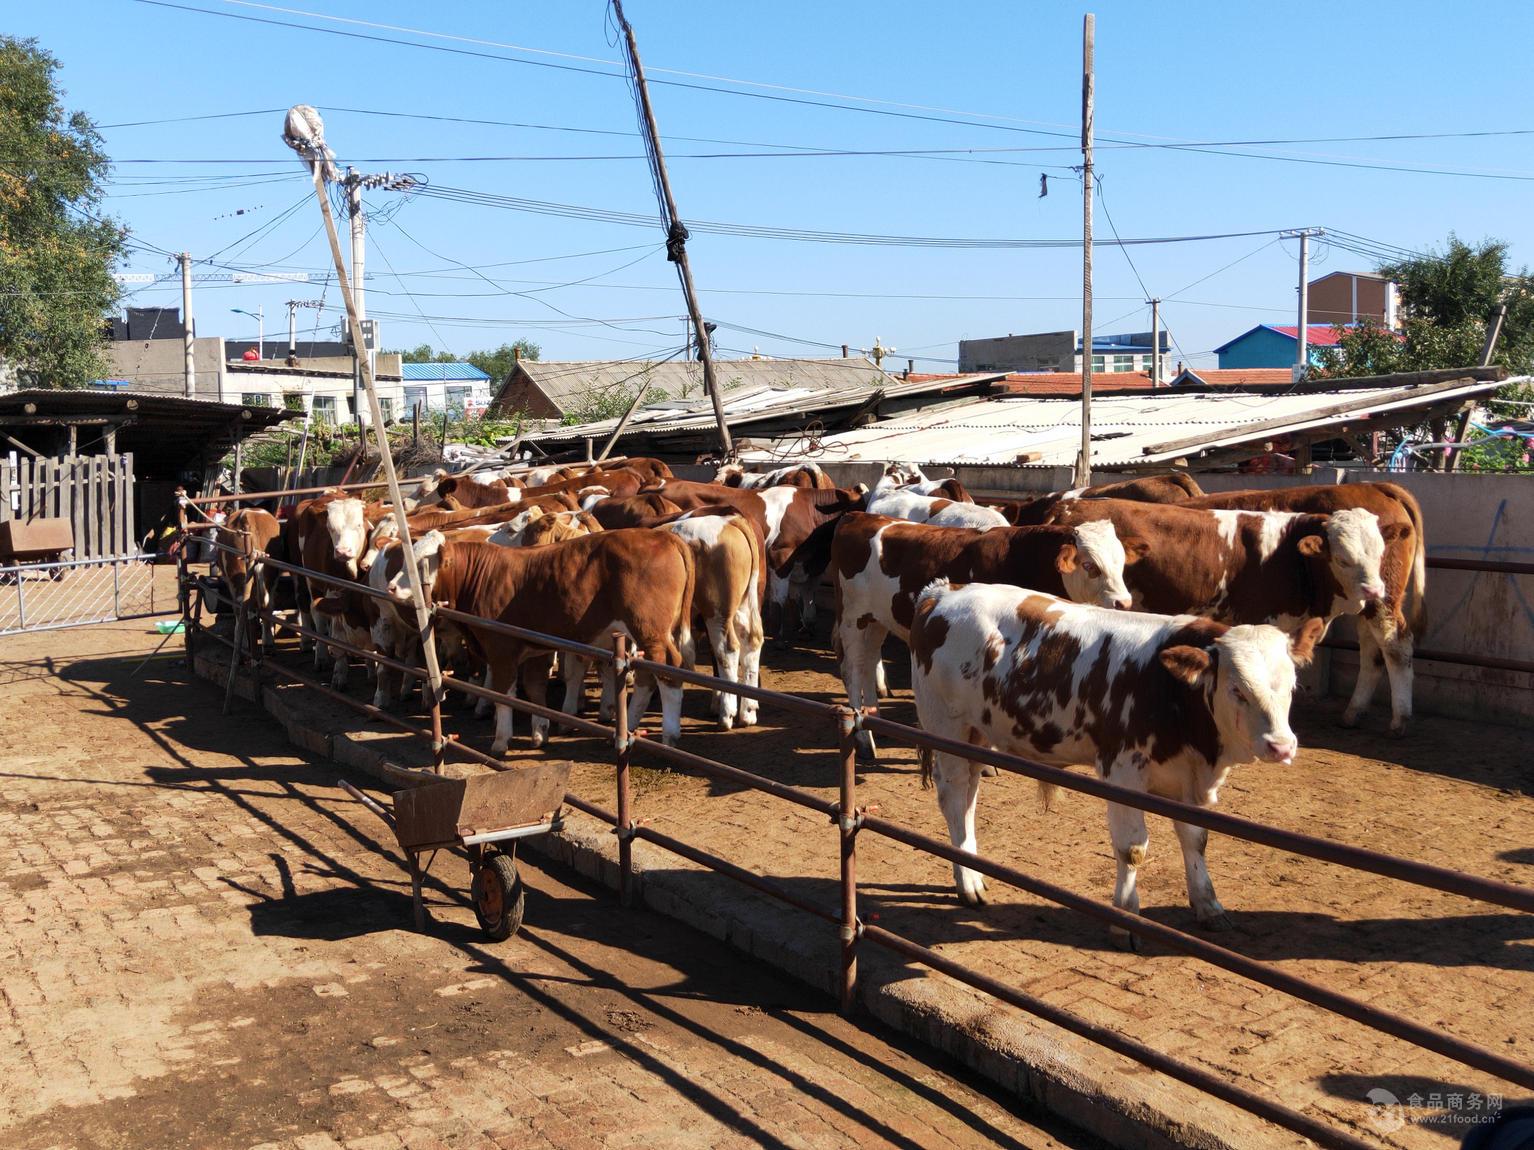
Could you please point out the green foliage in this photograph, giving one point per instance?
(55, 259)
(610, 401)
(1446, 300)
(495, 363)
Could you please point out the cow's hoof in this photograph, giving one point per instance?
(726, 723)
(883, 692)
(498, 750)
(1124, 940)
(987, 771)
(1349, 719)
(746, 719)
(1216, 922)
(1398, 730)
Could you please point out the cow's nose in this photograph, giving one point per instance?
(1281, 748)
(1372, 594)
(1124, 603)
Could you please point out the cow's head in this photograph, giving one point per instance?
(385, 531)
(1353, 548)
(589, 497)
(428, 561)
(1092, 567)
(1247, 677)
(899, 474)
(348, 532)
(729, 474)
(386, 565)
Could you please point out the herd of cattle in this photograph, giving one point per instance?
(1141, 626)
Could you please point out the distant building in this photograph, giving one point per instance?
(1270, 345)
(458, 387)
(1349, 297)
(1060, 351)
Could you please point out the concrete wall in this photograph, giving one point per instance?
(1044, 351)
(1464, 517)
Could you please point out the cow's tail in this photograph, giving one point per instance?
(1048, 792)
(932, 590)
(758, 570)
(1187, 483)
(924, 756)
(1414, 610)
(681, 628)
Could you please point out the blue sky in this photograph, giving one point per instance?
(1008, 73)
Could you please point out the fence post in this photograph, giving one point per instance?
(848, 820)
(21, 602)
(621, 739)
(117, 604)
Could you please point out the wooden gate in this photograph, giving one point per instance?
(93, 492)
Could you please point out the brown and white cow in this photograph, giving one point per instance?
(1387, 628)
(244, 533)
(331, 535)
(1172, 488)
(891, 498)
(636, 582)
(806, 474)
(910, 477)
(1244, 566)
(631, 511)
(796, 525)
(1164, 705)
(880, 565)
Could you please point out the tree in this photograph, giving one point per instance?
(56, 255)
(496, 364)
(1446, 299)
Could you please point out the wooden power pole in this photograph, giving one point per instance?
(187, 335)
(676, 233)
(1084, 463)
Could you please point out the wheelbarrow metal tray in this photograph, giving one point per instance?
(467, 809)
(35, 538)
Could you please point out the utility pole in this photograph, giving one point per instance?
(1088, 37)
(676, 232)
(355, 183)
(185, 259)
(1155, 343)
(1302, 334)
(311, 148)
(293, 306)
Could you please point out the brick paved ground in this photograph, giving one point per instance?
(203, 946)
(1454, 793)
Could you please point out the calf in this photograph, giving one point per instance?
(1387, 627)
(639, 583)
(243, 534)
(1173, 488)
(909, 477)
(1242, 566)
(881, 564)
(1160, 705)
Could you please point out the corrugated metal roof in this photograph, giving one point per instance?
(1126, 429)
(569, 383)
(761, 396)
(441, 371)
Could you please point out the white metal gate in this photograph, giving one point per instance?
(47, 596)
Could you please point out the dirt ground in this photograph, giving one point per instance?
(206, 944)
(1454, 793)
(1457, 794)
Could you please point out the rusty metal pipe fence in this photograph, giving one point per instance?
(850, 821)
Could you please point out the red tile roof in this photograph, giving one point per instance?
(1318, 335)
(1242, 376)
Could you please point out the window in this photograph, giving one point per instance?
(254, 399)
(386, 407)
(458, 397)
(1097, 363)
(415, 397)
(293, 400)
(325, 408)
(1123, 363)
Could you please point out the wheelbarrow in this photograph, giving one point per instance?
(485, 815)
(39, 541)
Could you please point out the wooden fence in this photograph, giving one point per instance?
(93, 492)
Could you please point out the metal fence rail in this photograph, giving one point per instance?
(49, 596)
(851, 820)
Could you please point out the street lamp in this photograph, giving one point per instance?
(259, 315)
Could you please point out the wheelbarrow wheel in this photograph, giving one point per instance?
(498, 897)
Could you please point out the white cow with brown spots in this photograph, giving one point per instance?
(899, 502)
(1158, 704)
